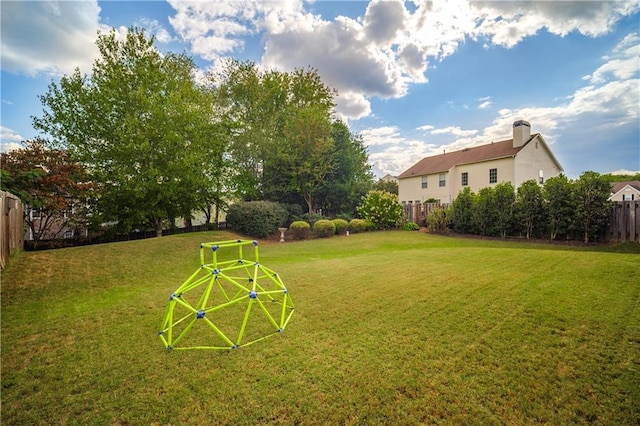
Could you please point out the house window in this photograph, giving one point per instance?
(493, 175)
(424, 182)
(68, 212)
(627, 197)
(465, 179)
(443, 179)
(68, 234)
(540, 177)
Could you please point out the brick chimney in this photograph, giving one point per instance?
(521, 133)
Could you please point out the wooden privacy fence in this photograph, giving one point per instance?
(11, 226)
(624, 222)
(418, 212)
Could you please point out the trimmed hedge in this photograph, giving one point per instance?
(358, 225)
(300, 230)
(341, 226)
(258, 219)
(324, 228)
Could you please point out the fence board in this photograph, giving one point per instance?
(11, 226)
(624, 222)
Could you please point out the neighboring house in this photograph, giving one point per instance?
(52, 227)
(389, 178)
(625, 191)
(442, 177)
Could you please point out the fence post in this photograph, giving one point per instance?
(11, 225)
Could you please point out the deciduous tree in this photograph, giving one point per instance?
(351, 178)
(529, 207)
(559, 205)
(592, 191)
(141, 126)
(50, 184)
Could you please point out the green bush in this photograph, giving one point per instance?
(382, 208)
(358, 225)
(410, 226)
(300, 230)
(369, 225)
(324, 228)
(258, 219)
(341, 226)
(437, 220)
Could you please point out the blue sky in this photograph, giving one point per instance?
(413, 78)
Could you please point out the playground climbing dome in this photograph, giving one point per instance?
(230, 302)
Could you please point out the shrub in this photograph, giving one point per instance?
(357, 225)
(410, 226)
(257, 219)
(369, 225)
(300, 230)
(382, 208)
(341, 225)
(437, 220)
(324, 228)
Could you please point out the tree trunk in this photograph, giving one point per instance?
(158, 226)
(307, 198)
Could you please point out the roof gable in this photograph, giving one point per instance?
(444, 162)
(619, 186)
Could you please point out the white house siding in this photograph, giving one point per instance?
(533, 159)
(628, 192)
(479, 174)
(410, 189)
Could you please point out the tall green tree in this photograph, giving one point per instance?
(529, 207)
(559, 205)
(485, 211)
(504, 197)
(279, 127)
(461, 212)
(54, 188)
(141, 126)
(592, 192)
(251, 103)
(351, 178)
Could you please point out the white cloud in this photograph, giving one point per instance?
(51, 37)
(608, 105)
(352, 106)
(156, 29)
(382, 22)
(485, 103)
(9, 139)
(625, 172)
(382, 52)
(507, 23)
(386, 135)
(622, 64)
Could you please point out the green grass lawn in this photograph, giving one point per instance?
(389, 328)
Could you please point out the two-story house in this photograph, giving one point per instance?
(441, 177)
